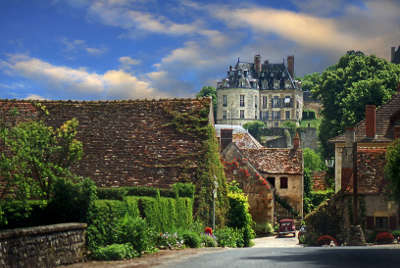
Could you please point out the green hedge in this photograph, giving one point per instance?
(178, 190)
(23, 214)
(161, 215)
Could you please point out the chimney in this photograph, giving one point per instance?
(226, 138)
(296, 142)
(393, 52)
(396, 131)
(370, 121)
(257, 64)
(290, 65)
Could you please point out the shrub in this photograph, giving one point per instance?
(115, 252)
(384, 238)
(191, 239)
(208, 241)
(18, 214)
(396, 234)
(167, 240)
(326, 240)
(112, 193)
(71, 201)
(370, 236)
(263, 228)
(134, 230)
(184, 189)
(226, 237)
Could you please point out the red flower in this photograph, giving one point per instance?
(208, 230)
(326, 240)
(384, 238)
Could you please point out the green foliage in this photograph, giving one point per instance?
(134, 230)
(209, 91)
(346, 87)
(25, 213)
(234, 187)
(112, 193)
(38, 156)
(229, 237)
(392, 169)
(263, 228)
(312, 160)
(255, 128)
(70, 202)
(115, 252)
(285, 204)
(191, 239)
(184, 189)
(310, 82)
(239, 217)
(208, 241)
(291, 126)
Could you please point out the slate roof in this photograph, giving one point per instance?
(275, 160)
(386, 115)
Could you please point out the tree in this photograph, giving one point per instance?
(209, 91)
(37, 155)
(310, 82)
(392, 169)
(255, 128)
(346, 87)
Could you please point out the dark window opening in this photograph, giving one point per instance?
(382, 222)
(271, 181)
(284, 183)
(241, 114)
(224, 100)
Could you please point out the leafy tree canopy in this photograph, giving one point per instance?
(392, 168)
(346, 87)
(37, 155)
(209, 91)
(255, 128)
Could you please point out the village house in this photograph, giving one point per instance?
(371, 137)
(282, 168)
(129, 142)
(259, 91)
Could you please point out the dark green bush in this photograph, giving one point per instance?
(115, 252)
(191, 239)
(184, 189)
(112, 193)
(71, 201)
(19, 214)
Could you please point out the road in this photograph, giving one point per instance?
(285, 252)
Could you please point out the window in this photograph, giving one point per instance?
(224, 115)
(276, 115)
(288, 101)
(287, 115)
(271, 181)
(284, 182)
(224, 100)
(276, 124)
(265, 115)
(264, 102)
(241, 100)
(241, 114)
(275, 102)
(382, 222)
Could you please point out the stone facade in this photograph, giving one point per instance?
(395, 55)
(371, 137)
(255, 91)
(43, 246)
(128, 143)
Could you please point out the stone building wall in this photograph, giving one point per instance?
(309, 138)
(128, 143)
(43, 246)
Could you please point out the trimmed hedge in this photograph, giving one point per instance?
(178, 190)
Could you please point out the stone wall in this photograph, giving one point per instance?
(43, 246)
(309, 138)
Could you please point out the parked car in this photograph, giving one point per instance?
(286, 226)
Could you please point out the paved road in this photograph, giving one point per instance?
(308, 257)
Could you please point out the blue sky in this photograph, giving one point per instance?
(120, 49)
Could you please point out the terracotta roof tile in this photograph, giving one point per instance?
(246, 141)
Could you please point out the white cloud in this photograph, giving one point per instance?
(127, 62)
(80, 82)
(73, 46)
(34, 97)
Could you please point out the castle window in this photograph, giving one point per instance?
(275, 102)
(382, 222)
(224, 115)
(224, 100)
(288, 101)
(241, 114)
(265, 115)
(276, 115)
(284, 182)
(287, 115)
(241, 100)
(265, 101)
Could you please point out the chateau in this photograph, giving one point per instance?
(259, 91)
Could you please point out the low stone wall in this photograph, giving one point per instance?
(43, 246)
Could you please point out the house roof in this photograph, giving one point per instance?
(386, 115)
(275, 160)
(132, 142)
(246, 141)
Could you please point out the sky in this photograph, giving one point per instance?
(130, 49)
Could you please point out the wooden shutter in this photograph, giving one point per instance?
(370, 222)
(392, 222)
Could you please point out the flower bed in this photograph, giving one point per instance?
(384, 238)
(326, 240)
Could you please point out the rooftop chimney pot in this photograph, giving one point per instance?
(370, 121)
